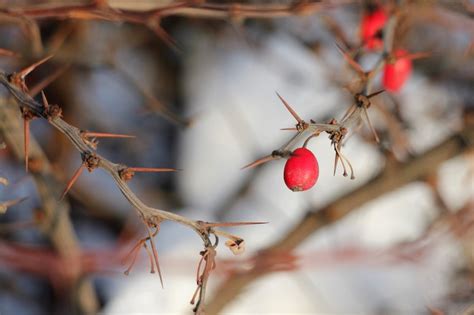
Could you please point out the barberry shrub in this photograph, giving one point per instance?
(124, 122)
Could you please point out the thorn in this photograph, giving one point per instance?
(349, 112)
(8, 53)
(50, 111)
(263, 160)
(45, 101)
(351, 61)
(289, 129)
(222, 224)
(375, 94)
(73, 179)
(371, 126)
(26, 143)
(105, 135)
(164, 36)
(288, 107)
(152, 169)
(154, 104)
(24, 72)
(47, 81)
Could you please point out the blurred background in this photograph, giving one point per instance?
(195, 83)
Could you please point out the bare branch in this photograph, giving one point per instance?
(91, 160)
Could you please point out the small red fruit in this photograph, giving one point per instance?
(301, 170)
(396, 73)
(371, 28)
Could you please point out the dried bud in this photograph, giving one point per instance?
(126, 174)
(237, 246)
(53, 111)
(91, 161)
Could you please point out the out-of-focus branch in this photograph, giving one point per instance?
(151, 16)
(131, 12)
(392, 177)
(55, 223)
(151, 100)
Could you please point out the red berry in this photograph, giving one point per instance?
(371, 27)
(301, 170)
(397, 73)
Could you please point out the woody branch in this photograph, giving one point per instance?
(152, 217)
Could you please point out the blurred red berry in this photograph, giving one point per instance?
(371, 28)
(301, 170)
(396, 73)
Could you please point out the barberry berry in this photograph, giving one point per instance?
(397, 72)
(301, 170)
(371, 29)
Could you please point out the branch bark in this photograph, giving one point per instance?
(56, 224)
